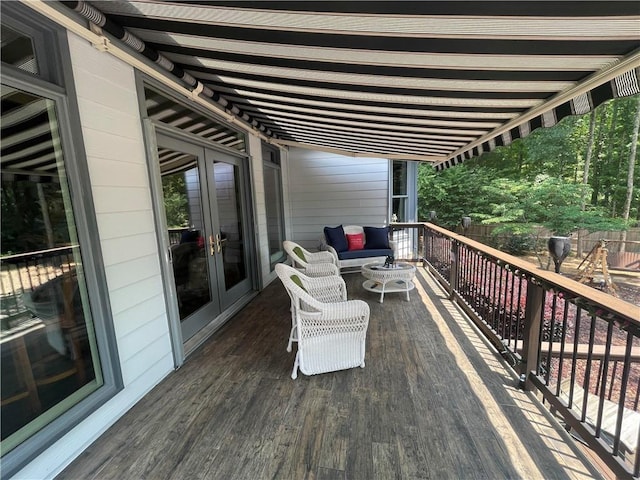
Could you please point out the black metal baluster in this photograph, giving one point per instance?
(552, 325)
(623, 391)
(596, 390)
(477, 274)
(563, 341)
(494, 299)
(613, 379)
(519, 309)
(587, 371)
(463, 255)
(510, 317)
(574, 356)
(539, 346)
(484, 296)
(604, 372)
(503, 300)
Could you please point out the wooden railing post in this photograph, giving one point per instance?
(455, 265)
(531, 334)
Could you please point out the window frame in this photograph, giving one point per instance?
(56, 67)
(277, 166)
(411, 195)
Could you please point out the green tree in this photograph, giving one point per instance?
(547, 178)
(176, 203)
(451, 194)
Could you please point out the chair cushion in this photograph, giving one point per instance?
(355, 241)
(351, 254)
(296, 279)
(336, 238)
(376, 237)
(298, 251)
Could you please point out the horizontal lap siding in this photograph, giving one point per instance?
(329, 189)
(118, 169)
(113, 140)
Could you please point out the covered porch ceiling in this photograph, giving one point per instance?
(434, 81)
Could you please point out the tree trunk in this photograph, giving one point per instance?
(42, 200)
(585, 173)
(612, 140)
(632, 163)
(595, 159)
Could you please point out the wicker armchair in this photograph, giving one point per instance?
(312, 264)
(331, 335)
(328, 289)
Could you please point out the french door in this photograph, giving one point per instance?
(205, 211)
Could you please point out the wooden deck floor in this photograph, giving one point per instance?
(433, 402)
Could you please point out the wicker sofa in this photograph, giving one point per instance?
(343, 243)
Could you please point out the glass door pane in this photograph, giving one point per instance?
(183, 208)
(205, 213)
(188, 220)
(229, 208)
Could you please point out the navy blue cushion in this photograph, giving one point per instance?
(336, 238)
(350, 254)
(376, 237)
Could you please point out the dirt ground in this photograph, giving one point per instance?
(627, 283)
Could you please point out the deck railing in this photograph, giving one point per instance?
(578, 346)
(409, 241)
(25, 272)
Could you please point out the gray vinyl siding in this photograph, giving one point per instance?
(330, 189)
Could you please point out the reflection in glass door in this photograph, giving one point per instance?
(231, 233)
(205, 214)
(186, 217)
(183, 209)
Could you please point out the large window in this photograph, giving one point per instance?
(399, 193)
(52, 374)
(273, 203)
(47, 344)
(403, 191)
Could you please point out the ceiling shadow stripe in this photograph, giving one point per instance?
(224, 88)
(398, 44)
(473, 8)
(372, 121)
(359, 68)
(369, 138)
(348, 130)
(418, 92)
(368, 116)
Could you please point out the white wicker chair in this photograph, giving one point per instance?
(331, 335)
(328, 289)
(312, 264)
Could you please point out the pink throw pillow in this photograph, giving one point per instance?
(355, 241)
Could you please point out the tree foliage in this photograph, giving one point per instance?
(176, 203)
(538, 180)
(23, 223)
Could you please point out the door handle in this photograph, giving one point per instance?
(219, 242)
(211, 246)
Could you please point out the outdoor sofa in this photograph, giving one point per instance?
(354, 246)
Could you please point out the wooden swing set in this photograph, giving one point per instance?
(595, 271)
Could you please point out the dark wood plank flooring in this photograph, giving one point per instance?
(432, 402)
